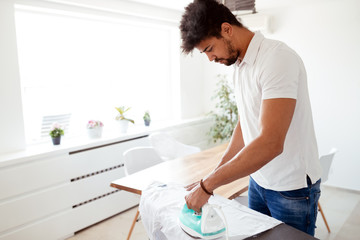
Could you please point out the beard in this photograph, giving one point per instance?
(233, 54)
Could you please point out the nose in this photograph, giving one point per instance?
(211, 57)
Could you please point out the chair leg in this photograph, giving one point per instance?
(323, 216)
(133, 225)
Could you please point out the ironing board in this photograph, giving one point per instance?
(185, 170)
(191, 168)
(161, 204)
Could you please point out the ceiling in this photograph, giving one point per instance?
(171, 4)
(180, 4)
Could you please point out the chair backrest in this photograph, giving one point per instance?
(326, 161)
(169, 148)
(139, 158)
(47, 121)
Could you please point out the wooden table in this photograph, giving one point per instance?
(184, 171)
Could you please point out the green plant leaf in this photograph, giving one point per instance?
(226, 115)
(121, 113)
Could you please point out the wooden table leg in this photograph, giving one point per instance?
(133, 224)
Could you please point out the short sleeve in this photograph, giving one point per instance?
(280, 75)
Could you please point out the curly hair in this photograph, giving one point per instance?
(203, 19)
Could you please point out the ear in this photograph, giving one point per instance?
(226, 29)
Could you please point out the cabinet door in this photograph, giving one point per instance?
(51, 190)
(50, 171)
(24, 210)
(65, 223)
(34, 175)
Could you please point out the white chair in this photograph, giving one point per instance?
(169, 148)
(137, 159)
(326, 161)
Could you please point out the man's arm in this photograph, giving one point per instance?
(275, 119)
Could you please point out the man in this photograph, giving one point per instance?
(274, 140)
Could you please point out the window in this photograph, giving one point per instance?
(84, 65)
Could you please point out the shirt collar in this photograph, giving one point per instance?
(252, 49)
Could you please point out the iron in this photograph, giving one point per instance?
(206, 225)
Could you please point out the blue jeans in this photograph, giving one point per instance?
(297, 208)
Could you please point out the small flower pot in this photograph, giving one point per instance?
(123, 125)
(56, 140)
(147, 123)
(95, 132)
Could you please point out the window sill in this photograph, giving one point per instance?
(36, 151)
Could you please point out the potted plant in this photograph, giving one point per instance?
(94, 128)
(226, 115)
(56, 132)
(147, 118)
(123, 121)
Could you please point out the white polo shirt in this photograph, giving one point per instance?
(270, 69)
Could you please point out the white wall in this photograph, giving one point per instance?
(326, 34)
(191, 84)
(11, 124)
(198, 83)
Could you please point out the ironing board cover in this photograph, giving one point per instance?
(160, 206)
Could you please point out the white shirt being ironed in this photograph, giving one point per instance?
(270, 69)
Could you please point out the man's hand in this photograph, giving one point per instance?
(196, 198)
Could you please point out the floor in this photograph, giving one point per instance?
(341, 208)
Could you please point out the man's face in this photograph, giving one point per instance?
(219, 50)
